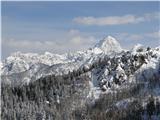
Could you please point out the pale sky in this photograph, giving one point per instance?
(60, 27)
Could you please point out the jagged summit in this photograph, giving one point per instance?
(109, 44)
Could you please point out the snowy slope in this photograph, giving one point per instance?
(139, 65)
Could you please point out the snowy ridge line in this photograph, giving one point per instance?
(21, 68)
(34, 66)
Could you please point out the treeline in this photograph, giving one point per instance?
(131, 103)
(47, 98)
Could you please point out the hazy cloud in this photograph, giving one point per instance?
(80, 39)
(154, 35)
(116, 20)
(72, 40)
(135, 37)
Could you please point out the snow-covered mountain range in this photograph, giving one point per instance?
(20, 68)
(104, 79)
(26, 66)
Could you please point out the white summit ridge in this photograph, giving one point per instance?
(109, 44)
